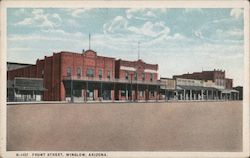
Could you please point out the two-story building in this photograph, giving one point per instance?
(86, 76)
(139, 80)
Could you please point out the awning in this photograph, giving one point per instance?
(30, 88)
(195, 88)
(229, 91)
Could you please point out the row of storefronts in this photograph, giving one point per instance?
(82, 77)
(82, 90)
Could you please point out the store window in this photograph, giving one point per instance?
(141, 93)
(123, 93)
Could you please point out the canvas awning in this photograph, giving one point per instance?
(195, 88)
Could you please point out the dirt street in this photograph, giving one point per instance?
(176, 126)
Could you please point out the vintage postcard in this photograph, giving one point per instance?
(124, 79)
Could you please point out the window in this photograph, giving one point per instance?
(109, 74)
(143, 76)
(69, 71)
(152, 93)
(42, 73)
(100, 73)
(123, 93)
(151, 77)
(141, 93)
(90, 72)
(126, 75)
(79, 72)
(135, 76)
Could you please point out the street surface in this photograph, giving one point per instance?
(175, 126)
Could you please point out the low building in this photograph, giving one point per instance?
(190, 89)
(205, 87)
(25, 89)
(14, 65)
(217, 76)
(209, 85)
(240, 90)
(168, 88)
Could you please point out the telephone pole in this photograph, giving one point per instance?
(139, 50)
(89, 40)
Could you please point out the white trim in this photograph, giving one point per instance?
(150, 71)
(127, 68)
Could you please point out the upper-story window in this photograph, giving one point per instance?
(151, 77)
(100, 73)
(135, 76)
(79, 72)
(42, 73)
(143, 76)
(109, 74)
(90, 72)
(69, 72)
(126, 75)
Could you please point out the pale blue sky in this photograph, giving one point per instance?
(179, 40)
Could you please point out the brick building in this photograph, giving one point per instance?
(205, 85)
(140, 80)
(217, 76)
(14, 65)
(87, 76)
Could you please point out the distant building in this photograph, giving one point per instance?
(240, 90)
(25, 89)
(205, 85)
(168, 88)
(14, 65)
(217, 76)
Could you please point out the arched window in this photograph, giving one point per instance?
(100, 73)
(109, 74)
(126, 75)
(151, 77)
(79, 72)
(135, 76)
(143, 76)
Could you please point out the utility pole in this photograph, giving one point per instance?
(89, 41)
(131, 86)
(71, 88)
(139, 50)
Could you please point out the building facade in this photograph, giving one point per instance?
(217, 76)
(13, 65)
(86, 76)
(192, 89)
(140, 80)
